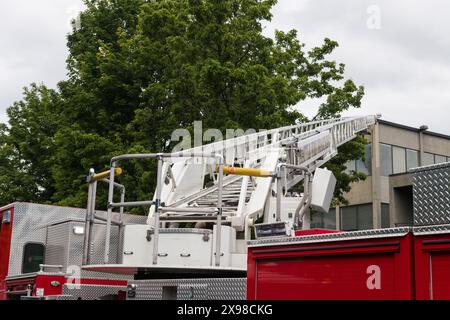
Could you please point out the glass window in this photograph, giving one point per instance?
(368, 160)
(365, 220)
(357, 217)
(428, 159)
(361, 167)
(316, 220)
(324, 220)
(33, 256)
(412, 159)
(440, 159)
(350, 166)
(329, 219)
(386, 159)
(385, 216)
(366, 165)
(349, 218)
(398, 160)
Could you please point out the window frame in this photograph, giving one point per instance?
(24, 255)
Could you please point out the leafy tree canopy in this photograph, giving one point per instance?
(139, 69)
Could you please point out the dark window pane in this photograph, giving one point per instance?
(399, 160)
(368, 156)
(357, 217)
(366, 165)
(316, 220)
(349, 218)
(33, 256)
(386, 159)
(329, 219)
(412, 159)
(385, 218)
(365, 220)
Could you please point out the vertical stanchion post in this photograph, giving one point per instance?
(87, 222)
(219, 214)
(279, 193)
(91, 221)
(122, 200)
(157, 209)
(109, 211)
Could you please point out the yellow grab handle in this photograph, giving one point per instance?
(105, 174)
(252, 172)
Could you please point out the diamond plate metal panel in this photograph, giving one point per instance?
(431, 195)
(436, 229)
(327, 237)
(57, 245)
(30, 224)
(89, 292)
(65, 248)
(195, 289)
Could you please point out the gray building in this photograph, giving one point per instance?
(384, 199)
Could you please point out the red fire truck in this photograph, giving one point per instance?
(41, 253)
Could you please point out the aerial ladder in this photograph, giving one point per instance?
(210, 200)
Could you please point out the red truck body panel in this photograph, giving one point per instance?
(432, 261)
(5, 250)
(365, 269)
(52, 284)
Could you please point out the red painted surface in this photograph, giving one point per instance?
(52, 284)
(299, 233)
(432, 263)
(45, 282)
(5, 247)
(332, 270)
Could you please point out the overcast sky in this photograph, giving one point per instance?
(399, 50)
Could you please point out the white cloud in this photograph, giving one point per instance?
(404, 66)
(33, 45)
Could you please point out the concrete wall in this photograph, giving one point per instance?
(410, 139)
(436, 145)
(361, 191)
(394, 190)
(399, 137)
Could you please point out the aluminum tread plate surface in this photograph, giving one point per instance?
(431, 195)
(327, 237)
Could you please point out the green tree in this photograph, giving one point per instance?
(27, 146)
(140, 69)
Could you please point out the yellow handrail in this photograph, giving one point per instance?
(252, 172)
(105, 174)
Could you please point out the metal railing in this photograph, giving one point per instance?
(160, 157)
(247, 150)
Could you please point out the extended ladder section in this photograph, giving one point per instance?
(230, 183)
(307, 145)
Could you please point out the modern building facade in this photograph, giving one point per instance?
(384, 198)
